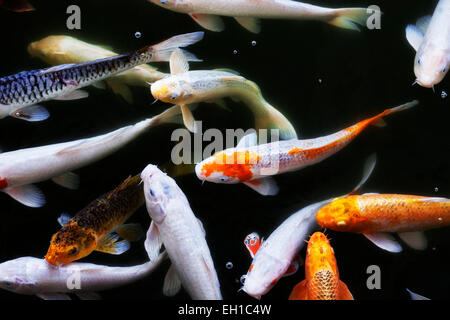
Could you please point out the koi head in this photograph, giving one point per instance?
(159, 190)
(172, 90)
(50, 49)
(321, 269)
(16, 275)
(175, 5)
(69, 244)
(342, 214)
(228, 167)
(263, 274)
(320, 255)
(431, 65)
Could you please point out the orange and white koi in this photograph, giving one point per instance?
(321, 274)
(253, 164)
(277, 256)
(430, 37)
(98, 226)
(247, 12)
(377, 215)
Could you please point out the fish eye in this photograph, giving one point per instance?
(152, 193)
(444, 69)
(163, 1)
(174, 96)
(73, 251)
(419, 61)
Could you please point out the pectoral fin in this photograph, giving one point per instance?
(414, 36)
(28, 195)
(32, 113)
(208, 21)
(265, 186)
(384, 241)
(68, 180)
(64, 219)
(300, 291)
(73, 95)
(172, 283)
(251, 24)
(343, 292)
(153, 242)
(110, 244)
(131, 231)
(188, 118)
(415, 239)
(423, 23)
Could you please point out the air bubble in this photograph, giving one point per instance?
(229, 265)
(138, 34)
(253, 43)
(235, 51)
(443, 94)
(244, 276)
(436, 189)
(320, 80)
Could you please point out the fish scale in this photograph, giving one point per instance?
(28, 88)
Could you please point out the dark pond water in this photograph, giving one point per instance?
(321, 77)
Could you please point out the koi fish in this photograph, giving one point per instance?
(430, 37)
(33, 276)
(98, 226)
(277, 256)
(175, 225)
(20, 93)
(16, 5)
(56, 50)
(186, 87)
(248, 12)
(254, 164)
(321, 273)
(377, 215)
(20, 169)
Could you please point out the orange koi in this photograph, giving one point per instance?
(375, 214)
(321, 274)
(93, 228)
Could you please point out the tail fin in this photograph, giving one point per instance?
(267, 117)
(349, 18)
(274, 119)
(378, 120)
(17, 5)
(163, 50)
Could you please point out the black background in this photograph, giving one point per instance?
(362, 73)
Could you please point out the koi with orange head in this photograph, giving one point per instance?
(254, 164)
(99, 225)
(321, 274)
(377, 215)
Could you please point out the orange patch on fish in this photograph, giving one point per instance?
(237, 165)
(294, 151)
